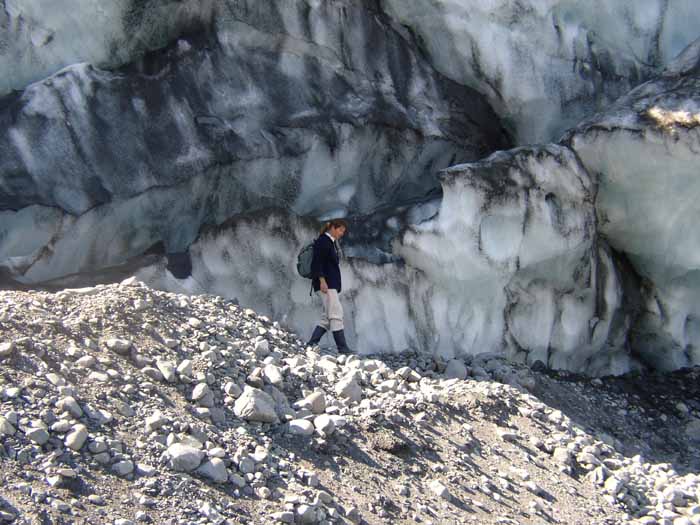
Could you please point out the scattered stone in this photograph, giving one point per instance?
(301, 427)
(456, 369)
(38, 435)
(6, 349)
(6, 428)
(123, 468)
(119, 346)
(77, 437)
(440, 490)
(324, 425)
(349, 389)
(255, 405)
(184, 458)
(214, 469)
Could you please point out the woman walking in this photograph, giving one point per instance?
(325, 270)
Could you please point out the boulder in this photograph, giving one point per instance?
(255, 405)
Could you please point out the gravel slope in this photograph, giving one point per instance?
(122, 404)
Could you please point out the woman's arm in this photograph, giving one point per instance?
(321, 252)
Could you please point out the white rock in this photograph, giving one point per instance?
(167, 368)
(214, 469)
(273, 375)
(185, 368)
(301, 427)
(613, 485)
(77, 437)
(38, 435)
(184, 458)
(6, 428)
(349, 389)
(324, 425)
(255, 405)
(306, 514)
(120, 346)
(55, 379)
(262, 348)
(456, 369)
(69, 404)
(233, 390)
(439, 489)
(155, 421)
(203, 395)
(6, 349)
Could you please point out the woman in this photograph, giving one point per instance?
(325, 271)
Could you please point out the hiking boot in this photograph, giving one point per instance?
(316, 336)
(339, 337)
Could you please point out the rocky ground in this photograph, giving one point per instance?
(121, 404)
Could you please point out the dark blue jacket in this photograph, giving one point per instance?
(325, 263)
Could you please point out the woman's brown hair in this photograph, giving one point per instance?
(334, 223)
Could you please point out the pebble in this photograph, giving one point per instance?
(77, 437)
(7, 348)
(184, 458)
(301, 427)
(120, 346)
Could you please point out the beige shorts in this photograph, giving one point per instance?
(332, 316)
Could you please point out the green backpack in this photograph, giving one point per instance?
(304, 259)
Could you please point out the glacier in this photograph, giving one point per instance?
(546, 64)
(644, 149)
(506, 261)
(322, 118)
(519, 177)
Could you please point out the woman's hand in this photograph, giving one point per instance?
(324, 285)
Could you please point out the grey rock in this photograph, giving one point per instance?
(69, 404)
(692, 430)
(440, 490)
(167, 368)
(185, 368)
(324, 425)
(77, 437)
(123, 468)
(6, 428)
(283, 517)
(233, 390)
(316, 402)
(255, 405)
(184, 458)
(306, 514)
(152, 373)
(301, 427)
(273, 375)
(6, 349)
(456, 369)
(38, 435)
(214, 469)
(119, 346)
(156, 421)
(349, 389)
(203, 395)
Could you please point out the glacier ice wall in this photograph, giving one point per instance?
(40, 37)
(645, 152)
(506, 261)
(282, 105)
(546, 64)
